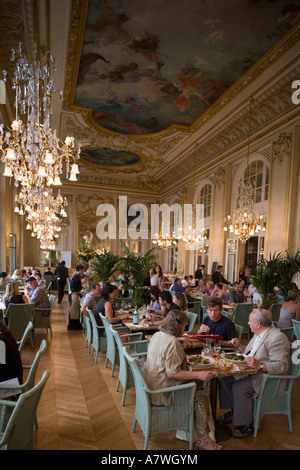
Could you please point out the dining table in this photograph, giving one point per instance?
(149, 329)
(222, 430)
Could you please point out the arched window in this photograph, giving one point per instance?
(206, 198)
(258, 174)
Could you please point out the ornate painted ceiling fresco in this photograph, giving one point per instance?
(147, 65)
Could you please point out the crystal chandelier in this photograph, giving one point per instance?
(192, 235)
(245, 222)
(31, 151)
(44, 218)
(164, 240)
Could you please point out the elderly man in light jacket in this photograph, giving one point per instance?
(268, 352)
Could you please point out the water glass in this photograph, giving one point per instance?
(207, 347)
(217, 347)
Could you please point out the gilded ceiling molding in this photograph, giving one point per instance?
(221, 140)
(282, 147)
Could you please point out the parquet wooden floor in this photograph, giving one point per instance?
(81, 410)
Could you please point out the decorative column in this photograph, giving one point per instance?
(279, 195)
(218, 207)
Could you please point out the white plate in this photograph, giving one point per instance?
(199, 365)
(234, 361)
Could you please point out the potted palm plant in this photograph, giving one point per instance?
(104, 265)
(277, 272)
(137, 267)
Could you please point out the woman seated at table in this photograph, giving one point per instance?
(105, 307)
(290, 310)
(155, 308)
(166, 366)
(209, 287)
(13, 296)
(180, 300)
(220, 292)
(202, 288)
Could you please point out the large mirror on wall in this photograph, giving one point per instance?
(231, 259)
(52, 258)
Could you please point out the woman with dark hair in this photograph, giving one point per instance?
(155, 306)
(160, 277)
(180, 300)
(105, 307)
(166, 366)
(11, 368)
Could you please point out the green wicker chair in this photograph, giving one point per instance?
(111, 350)
(88, 331)
(192, 317)
(26, 386)
(18, 317)
(240, 316)
(270, 400)
(138, 347)
(158, 419)
(296, 327)
(98, 343)
(19, 431)
(26, 335)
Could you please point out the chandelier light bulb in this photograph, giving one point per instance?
(10, 154)
(15, 125)
(74, 168)
(57, 181)
(73, 177)
(49, 158)
(7, 171)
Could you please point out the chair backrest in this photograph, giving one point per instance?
(204, 299)
(110, 342)
(19, 432)
(289, 333)
(192, 317)
(240, 315)
(275, 309)
(96, 339)
(296, 327)
(125, 375)
(48, 280)
(18, 317)
(52, 299)
(143, 404)
(29, 383)
(25, 336)
(238, 331)
(87, 324)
